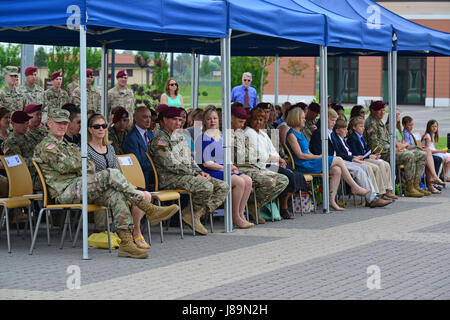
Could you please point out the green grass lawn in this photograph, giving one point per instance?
(441, 144)
(214, 95)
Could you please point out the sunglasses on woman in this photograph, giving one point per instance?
(97, 126)
(173, 84)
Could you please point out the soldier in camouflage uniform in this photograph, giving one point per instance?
(18, 143)
(376, 135)
(32, 93)
(60, 163)
(93, 96)
(36, 130)
(311, 113)
(121, 96)
(73, 85)
(118, 131)
(267, 184)
(177, 170)
(55, 97)
(10, 97)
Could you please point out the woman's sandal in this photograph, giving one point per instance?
(141, 243)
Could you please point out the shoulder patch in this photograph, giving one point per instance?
(50, 147)
(369, 130)
(162, 143)
(5, 150)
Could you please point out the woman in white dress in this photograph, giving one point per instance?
(429, 138)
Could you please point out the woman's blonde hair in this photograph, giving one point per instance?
(91, 119)
(294, 118)
(208, 110)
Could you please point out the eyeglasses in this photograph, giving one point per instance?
(247, 80)
(97, 126)
(173, 84)
(90, 76)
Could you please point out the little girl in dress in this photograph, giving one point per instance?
(429, 138)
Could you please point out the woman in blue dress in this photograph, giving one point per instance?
(209, 151)
(306, 162)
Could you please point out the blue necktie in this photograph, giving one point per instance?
(363, 144)
(146, 138)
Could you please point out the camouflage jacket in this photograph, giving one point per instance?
(36, 135)
(121, 98)
(116, 139)
(60, 162)
(306, 130)
(34, 94)
(93, 96)
(172, 157)
(13, 100)
(376, 134)
(71, 87)
(243, 150)
(52, 100)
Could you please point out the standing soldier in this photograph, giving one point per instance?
(55, 97)
(73, 85)
(268, 184)
(177, 169)
(376, 135)
(32, 93)
(120, 95)
(118, 130)
(36, 129)
(60, 163)
(10, 97)
(93, 96)
(18, 143)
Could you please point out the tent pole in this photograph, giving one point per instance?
(104, 80)
(84, 139)
(192, 78)
(197, 78)
(225, 55)
(391, 119)
(277, 75)
(324, 126)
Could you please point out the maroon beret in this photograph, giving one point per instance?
(161, 107)
(172, 112)
(119, 113)
(32, 108)
(314, 107)
(55, 75)
(88, 72)
(377, 105)
(121, 73)
(20, 117)
(30, 70)
(239, 112)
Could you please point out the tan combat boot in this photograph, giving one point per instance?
(417, 187)
(251, 212)
(411, 191)
(187, 218)
(156, 214)
(128, 248)
(391, 195)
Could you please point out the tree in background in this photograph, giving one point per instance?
(182, 66)
(40, 57)
(161, 71)
(10, 55)
(263, 63)
(205, 67)
(295, 69)
(143, 59)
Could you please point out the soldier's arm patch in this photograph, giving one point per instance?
(5, 150)
(50, 147)
(162, 143)
(369, 130)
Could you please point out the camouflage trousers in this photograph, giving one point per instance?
(267, 184)
(107, 188)
(208, 194)
(414, 163)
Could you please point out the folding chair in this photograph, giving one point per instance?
(20, 185)
(47, 207)
(179, 191)
(131, 169)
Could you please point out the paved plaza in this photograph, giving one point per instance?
(397, 252)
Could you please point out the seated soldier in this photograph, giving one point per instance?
(60, 162)
(36, 130)
(73, 129)
(119, 129)
(177, 169)
(18, 143)
(311, 113)
(268, 185)
(376, 135)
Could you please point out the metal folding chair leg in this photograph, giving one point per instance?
(5, 217)
(36, 230)
(256, 205)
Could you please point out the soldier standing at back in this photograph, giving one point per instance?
(36, 130)
(60, 163)
(73, 85)
(55, 97)
(32, 93)
(121, 96)
(93, 96)
(10, 97)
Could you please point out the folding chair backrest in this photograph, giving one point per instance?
(290, 155)
(155, 173)
(19, 177)
(131, 169)
(44, 185)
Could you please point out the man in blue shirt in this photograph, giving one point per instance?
(244, 93)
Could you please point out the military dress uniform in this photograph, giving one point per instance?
(376, 134)
(93, 97)
(121, 98)
(53, 100)
(32, 95)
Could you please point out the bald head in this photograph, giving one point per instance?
(143, 117)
